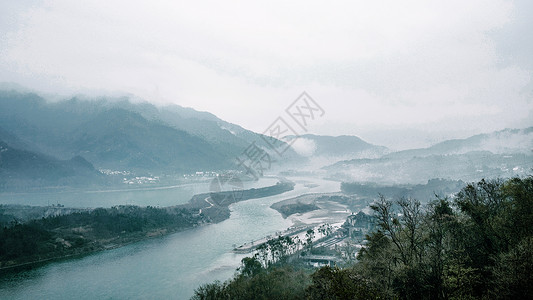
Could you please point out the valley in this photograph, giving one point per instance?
(142, 189)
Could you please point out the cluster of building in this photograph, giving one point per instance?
(141, 180)
(114, 172)
(345, 242)
(357, 226)
(201, 174)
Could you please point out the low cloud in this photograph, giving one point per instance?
(370, 64)
(304, 147)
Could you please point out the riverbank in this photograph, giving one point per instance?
(318, 208)
(84, 232)
(215, 206)
(167, 267)
(306, 212)
(38, 242)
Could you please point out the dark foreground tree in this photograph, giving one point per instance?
(335, 283)
(478, 246)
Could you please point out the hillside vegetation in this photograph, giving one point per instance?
(478, 245)
(83, 232)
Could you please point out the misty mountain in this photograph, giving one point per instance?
(12, 140)
(507, 141)
(21, 168)
(120, 134)
(336, 146)
(230, 138)
(466, 159)
(118, 138)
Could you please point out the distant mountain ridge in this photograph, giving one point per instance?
(338, 146)
(80, 134)
(119, 134)
(21, 168)
(498, 142)
(503, 153)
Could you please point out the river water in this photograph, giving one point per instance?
(139, 195)
(161, 268)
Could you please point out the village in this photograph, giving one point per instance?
(317, 245)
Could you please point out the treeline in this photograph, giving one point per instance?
(225, 198)
(478, 245)
(290, 281)
(106, 222)
(417, 191)
(214, 205)
(82, 232)
(296, 208)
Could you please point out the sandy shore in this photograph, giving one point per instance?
(329, 210)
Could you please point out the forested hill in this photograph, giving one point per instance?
(29, 169)
(478, 245)
(118, 134)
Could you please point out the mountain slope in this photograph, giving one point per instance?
(21, 168)
(344, 146)
(499, 142)
(12, 140)
(468, 159)
(118, 138)
(229, 138)
(119, 134)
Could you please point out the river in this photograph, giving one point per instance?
(168, 267)
(139, 195)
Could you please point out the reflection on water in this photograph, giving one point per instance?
(168, 267)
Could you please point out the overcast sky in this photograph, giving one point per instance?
(398, 73)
